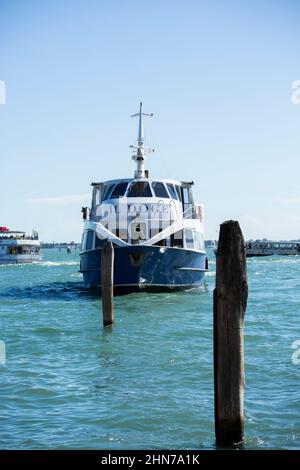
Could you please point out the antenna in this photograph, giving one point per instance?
(139, 156)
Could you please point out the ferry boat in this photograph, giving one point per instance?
(155, 226)
(17, 247)
(269, 248)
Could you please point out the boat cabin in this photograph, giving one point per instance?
(143, 209)
(136, 210)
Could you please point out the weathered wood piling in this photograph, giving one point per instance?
(230, 300)
(107, 283)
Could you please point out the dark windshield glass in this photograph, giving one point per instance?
(172, 191)
(159, 189)
(139, 189)
(178, 190)
(108, 192)
(119, 190)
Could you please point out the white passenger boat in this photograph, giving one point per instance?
(17, 247)
(155, 226)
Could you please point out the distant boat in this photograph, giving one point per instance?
(17, 247)
(154, 225)
(269, 248)
(211, 244)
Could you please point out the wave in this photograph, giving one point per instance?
(57, 263)
(210, 274)
(49, 291)
(40, 263)
(47, 330)
(266, 260)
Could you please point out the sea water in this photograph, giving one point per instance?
(147, 382)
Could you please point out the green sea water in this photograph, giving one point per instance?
(147, 382)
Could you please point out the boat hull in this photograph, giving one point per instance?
(147, 268)
(252, 255)
(20, 259)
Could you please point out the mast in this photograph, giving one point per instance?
(139, 156)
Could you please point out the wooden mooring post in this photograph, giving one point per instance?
(230, 301)
(107, 283)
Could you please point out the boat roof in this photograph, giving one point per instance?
(129, 180)
(11, 232)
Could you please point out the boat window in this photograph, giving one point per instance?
(139, 189)
(189, 239)
(178, 190)
(159, 189)
(108, 192)
(98, 192)
(119, 190)
(99, 242)
(197, 240)
(186, 196)
(89, 240)
(177, 239)
(83, 241)
(172, 191)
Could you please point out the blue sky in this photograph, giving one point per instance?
(217, 75)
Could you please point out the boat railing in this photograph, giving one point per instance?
(132, 210)
(12, 237)
(192, 211)
(111, 215)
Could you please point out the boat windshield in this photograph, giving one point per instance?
(119, 190)
(178, 191)
(139, 189)
(159, 189)
(107, 192)
(172, 191)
